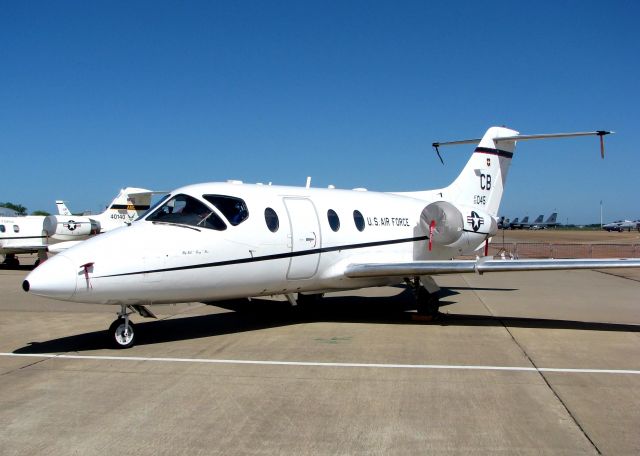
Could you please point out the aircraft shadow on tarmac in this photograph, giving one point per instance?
(259, 314)
(21, 267)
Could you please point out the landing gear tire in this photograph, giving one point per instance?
(122, 333)
(11, 261)
(427, 303)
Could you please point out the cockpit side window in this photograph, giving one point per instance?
(187, 210)
(234, 209)
(2, 229)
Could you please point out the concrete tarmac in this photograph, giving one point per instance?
(521, 363)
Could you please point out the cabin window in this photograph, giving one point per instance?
(2, 229)
(358, 220)
(234, 209)
(334, 220)
(271, 219)
(187, 210)
(16, 229)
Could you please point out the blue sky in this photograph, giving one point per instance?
(95, 96)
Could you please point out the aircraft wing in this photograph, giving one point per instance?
(481, 265)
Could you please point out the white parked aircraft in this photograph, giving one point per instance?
(34, 234)
(22, 234)
(219, 241)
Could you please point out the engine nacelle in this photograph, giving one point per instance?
(443, 221)
(458, 228)
(69, 227)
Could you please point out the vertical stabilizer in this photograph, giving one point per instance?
(130, 204)
(132, 199)
(481, 183)
(62, 208)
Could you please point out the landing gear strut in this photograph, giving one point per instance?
(427, 295)
(121, 331)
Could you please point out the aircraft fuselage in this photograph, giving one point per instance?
(159, 259)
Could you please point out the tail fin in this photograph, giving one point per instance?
(552, 218)
(131, 202)
(62, 208)
(539, 219)
(481, 183)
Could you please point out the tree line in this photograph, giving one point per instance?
(20, 209)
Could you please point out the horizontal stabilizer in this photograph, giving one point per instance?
(518, 137)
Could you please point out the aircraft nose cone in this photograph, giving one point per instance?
(56, 278)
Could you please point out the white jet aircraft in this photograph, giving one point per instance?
(22, 234)
(218, 241)
(34, 233)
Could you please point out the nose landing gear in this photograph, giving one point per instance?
(121, 331)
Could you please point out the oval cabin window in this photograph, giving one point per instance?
(271, 219)
(358, 220)
(334, 220)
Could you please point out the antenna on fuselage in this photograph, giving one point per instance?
(308, 182)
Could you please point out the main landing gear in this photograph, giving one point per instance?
(122, 331)
(427, 294)
(11, 261)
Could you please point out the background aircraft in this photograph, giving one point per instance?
(130, 203)
(536, 222)
(22, 234)
(549, 223)
(621, 225)
(516, 225)
(510, 224)
(218, 241)
(34, 234)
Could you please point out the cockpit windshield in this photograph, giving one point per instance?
(186, 210)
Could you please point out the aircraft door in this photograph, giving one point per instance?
(304, 237)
